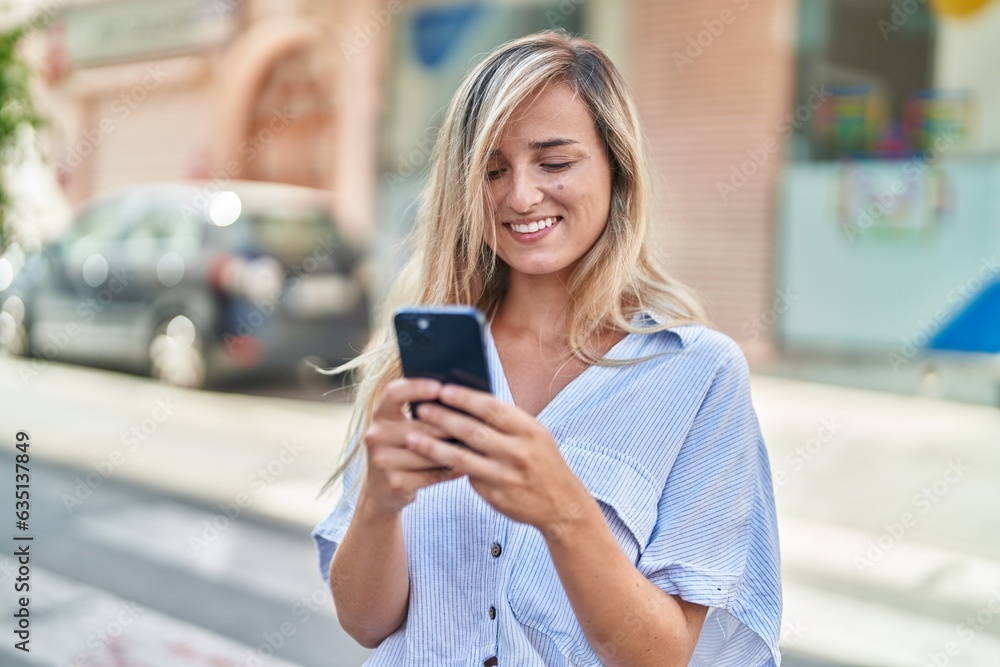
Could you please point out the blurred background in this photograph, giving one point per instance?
(203, 200)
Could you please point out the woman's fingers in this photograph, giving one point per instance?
(392, 434)
(463, 460)
(387, 445)
(394, 472)
(402, 391)
(399, 458)
(440, 475)
(471, 431)
(421, 427)
(483, 406)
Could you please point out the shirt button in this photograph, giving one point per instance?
(493, 613)
(496, 550)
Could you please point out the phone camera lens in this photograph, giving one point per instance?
(423, 340)
(422, 323)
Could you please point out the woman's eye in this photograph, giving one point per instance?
(494, 174)
(556, 166)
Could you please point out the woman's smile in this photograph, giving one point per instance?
(528, 232)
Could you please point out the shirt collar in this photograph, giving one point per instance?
(685, 333)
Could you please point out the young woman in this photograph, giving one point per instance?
(616, 505)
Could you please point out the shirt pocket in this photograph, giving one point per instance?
(629, 501)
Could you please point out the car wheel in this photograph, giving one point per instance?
(177, 353)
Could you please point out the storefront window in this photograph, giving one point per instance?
(865, 83)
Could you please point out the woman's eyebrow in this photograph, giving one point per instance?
(537, 146)
(550, 143)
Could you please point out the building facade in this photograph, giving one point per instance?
(769, 121)
(145, 90)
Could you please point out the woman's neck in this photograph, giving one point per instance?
(534, 308)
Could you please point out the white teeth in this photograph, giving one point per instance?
(534, 226)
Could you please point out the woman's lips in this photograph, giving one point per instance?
(542, 228)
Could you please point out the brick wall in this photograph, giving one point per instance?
(705, 107)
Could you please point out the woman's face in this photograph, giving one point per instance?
(550, 182)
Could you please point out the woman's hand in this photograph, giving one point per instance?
(516, 466)
(395, 473)
(512, 460)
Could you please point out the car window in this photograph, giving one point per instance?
(99, 221)
(160, 227)
(291, 235)
(93, 228)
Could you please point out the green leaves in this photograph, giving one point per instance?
(17, 110)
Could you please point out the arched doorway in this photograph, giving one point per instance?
(290, 132)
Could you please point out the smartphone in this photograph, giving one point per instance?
(445, 343)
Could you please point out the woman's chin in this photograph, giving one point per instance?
(540, 270)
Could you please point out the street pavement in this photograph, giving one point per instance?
(136, 577)
(887, 503)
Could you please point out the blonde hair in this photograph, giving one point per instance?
(451, 260)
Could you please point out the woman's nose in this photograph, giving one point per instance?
(524, 191)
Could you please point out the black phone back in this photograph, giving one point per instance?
(445, 343)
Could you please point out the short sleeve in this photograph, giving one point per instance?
(715, 541)
(329, 532)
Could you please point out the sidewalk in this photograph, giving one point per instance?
(888, 504)
(269, 455)
(887, 508)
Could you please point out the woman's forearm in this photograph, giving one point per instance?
(627, 620)
(368, 575)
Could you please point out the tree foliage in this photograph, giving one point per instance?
(17, 111)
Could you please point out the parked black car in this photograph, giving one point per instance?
(193, 284)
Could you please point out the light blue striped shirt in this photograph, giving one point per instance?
(671, 449)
